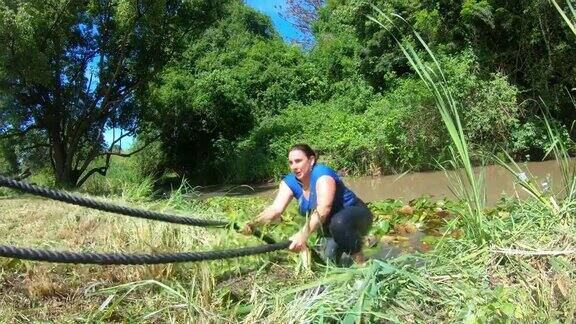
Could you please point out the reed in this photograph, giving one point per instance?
(465, 183)
(565, 16)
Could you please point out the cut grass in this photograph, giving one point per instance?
(44, 291)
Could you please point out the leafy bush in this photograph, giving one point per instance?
(123, 178)
(366, 133)
(410, 132)
(237, 74)
(407, 129)
(152, 161)
(487, 103)
(338, 135)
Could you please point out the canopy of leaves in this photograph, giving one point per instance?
(238, 73)
(226, 96)
(69, 69)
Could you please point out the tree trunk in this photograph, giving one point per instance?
(62, 170)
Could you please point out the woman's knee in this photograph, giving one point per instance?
(367, 219)
(352, 218)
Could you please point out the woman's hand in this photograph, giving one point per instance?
(298, 242)
(248, 229)
(271, 212)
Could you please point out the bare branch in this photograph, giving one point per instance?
(101, 170)
(106, 99)
(23, 175)
(133, 152)
(93, 154)
(130, 132)
(83, 64)
(126, 154)
(301, 14)
(104, 169)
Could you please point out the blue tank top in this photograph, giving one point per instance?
(343, 197)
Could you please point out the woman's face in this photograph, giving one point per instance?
(300, 164)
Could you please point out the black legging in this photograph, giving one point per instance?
(345, 229)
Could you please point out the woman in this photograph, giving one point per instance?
(333, 209)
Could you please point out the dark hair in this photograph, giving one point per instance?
(306, 149)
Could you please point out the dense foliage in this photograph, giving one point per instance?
(225, 96)
(229, 111)
(228, 81)
(70, 69)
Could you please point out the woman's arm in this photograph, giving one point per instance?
(273, 211)
(325, 192)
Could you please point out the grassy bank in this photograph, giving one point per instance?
(515, 277)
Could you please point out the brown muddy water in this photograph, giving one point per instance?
(499, 182)
(409, 186)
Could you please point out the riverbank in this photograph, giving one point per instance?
(453, 278)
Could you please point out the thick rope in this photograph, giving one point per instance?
(128, 211)
(133, 212)
(90, 203)
(133, 259)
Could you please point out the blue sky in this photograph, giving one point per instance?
(268, 7)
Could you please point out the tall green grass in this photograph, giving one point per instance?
(461, 280)
(458, 281)
(570, 23)
(466, 184)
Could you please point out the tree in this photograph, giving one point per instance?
(236, 74)
(530, 43)
(8, 159)
(69, 69)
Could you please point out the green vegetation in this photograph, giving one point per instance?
(527, 271)
(226, 94)
(389, 87)
(70, 70)
(375, 116)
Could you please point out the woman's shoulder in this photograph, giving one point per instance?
(291, 181)
(322, 169)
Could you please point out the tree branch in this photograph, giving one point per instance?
(129, 154)
(130, 132)
(104, 169)
(93, 154)
(104, 109)
(23, 175)
(100, 170)
(87, 57)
